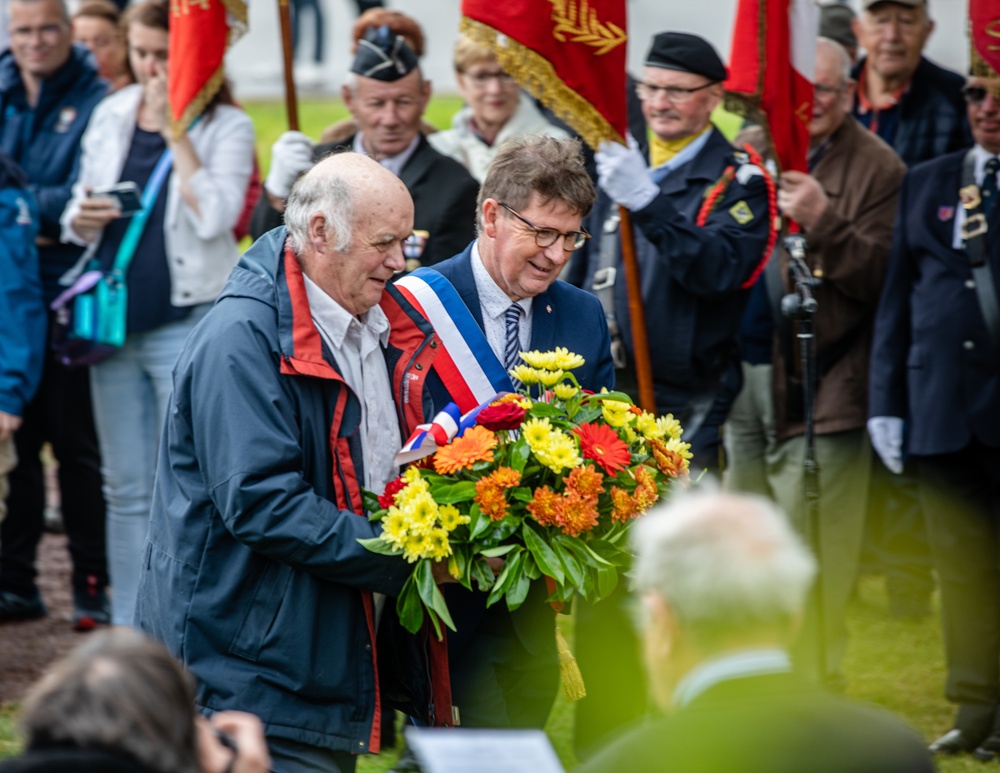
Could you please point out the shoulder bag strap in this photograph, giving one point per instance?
(126, 250)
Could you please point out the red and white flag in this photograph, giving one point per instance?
(200, 33)
(771, 65)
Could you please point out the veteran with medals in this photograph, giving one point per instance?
(935, 394)
(702, 225)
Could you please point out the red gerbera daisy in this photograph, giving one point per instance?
(601, 443)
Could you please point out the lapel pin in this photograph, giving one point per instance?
(548, 309)
(945, 213)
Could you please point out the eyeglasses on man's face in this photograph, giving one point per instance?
(546, 237)
(647, 92)
(976, 95)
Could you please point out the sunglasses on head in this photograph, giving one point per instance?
(975, 94)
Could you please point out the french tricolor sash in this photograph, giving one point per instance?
(466, 364)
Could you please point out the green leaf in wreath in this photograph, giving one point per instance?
(517, 590)
(510, 567)
(431, 596)
(607, 580)
(482, 573)
(519, 454)
(522, 494)
(450, 493)
(408, 606)
(531, 568)
(544, 555)
(499, 550)
(546, 410)
(574, 571)
(479, 522)
(609, 553)
(380, 546)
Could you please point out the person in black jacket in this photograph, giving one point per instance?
(910, 102)
(387, 94)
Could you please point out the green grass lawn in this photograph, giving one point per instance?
(898, 665)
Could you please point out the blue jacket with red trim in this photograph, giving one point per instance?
(252, 573)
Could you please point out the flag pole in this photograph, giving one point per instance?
(637, 313)
(288, 54)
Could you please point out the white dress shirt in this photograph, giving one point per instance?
(394, 163)
(494, 303)
(356, 343)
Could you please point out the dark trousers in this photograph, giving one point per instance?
(293, 757)
(61, 415)
(960, 494)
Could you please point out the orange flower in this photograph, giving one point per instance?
(504, 477)
(476, 445)
(623, 505)
(601, 444)
(635, 409)
(490, 491)
(645, 490)
(544, 506)
(586, 481)
(670, 463)
(575, 514)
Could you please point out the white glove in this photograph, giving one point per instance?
(886, 433)
(291, 155)
(622, 173)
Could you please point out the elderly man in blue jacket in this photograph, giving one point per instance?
(281, 412)
(48, 89)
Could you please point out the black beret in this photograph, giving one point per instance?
(383, 55)
(687, 53)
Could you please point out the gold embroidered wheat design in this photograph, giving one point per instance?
(578, 23)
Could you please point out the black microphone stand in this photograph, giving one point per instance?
(801, 307)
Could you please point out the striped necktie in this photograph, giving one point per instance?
(513, 344)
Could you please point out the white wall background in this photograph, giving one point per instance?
(255, 61)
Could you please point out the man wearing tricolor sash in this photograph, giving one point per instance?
(498, 297)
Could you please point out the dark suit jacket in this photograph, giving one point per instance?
(767, 724)
(561, 316)
(444, 200)
(932, 362)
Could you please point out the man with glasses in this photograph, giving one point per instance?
(387, 94)
(845, 206)
(48, 89)
(504, 666)
(903, 97)
(701, 220)
(496, 110)
(935, 397)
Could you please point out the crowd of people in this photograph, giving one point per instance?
(211, 466)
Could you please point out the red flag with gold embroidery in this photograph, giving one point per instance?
(771, 65)
(570, 54)
(984, 29)
(200, 33)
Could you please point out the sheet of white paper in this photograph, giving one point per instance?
(458, 750)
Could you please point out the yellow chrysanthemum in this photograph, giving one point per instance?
(558, 453)
(394, 529)
(670, 426)
(537, 359)
(645, 423)
(418, 488)
(616, 413)
(520, 400)
(450, 518)
(453, 569)
(415, 546)
(438, 546)
(680, 447)
(550, 377)
(565, 391)
(524, 374)
(421, 514)
(632, 436)
(565, 359)
(410, 474)
(536, 432)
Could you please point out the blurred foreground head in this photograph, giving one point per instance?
(119, 691)
(715, 573)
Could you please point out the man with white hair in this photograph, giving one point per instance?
(722, 580)
(281, 412)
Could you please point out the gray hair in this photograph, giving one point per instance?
(726, 565)
(120, 690)
(324, 192)
(843, 59)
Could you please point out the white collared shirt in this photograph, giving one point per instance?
(494, 303)
(394, 163)
(981, 156)
(356, 343)
(729, 665)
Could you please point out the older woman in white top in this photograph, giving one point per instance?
(496, 110)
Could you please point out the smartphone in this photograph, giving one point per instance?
(126, 196)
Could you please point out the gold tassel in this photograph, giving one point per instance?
(572, 679)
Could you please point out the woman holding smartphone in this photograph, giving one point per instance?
(178, 265)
